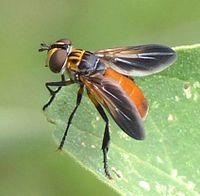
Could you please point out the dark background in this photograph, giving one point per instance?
(29, 163)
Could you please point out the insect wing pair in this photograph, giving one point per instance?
(118, 93)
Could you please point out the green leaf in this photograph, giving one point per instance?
(167, 161)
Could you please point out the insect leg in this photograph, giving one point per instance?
(106, 138)
(78, 101)
(53, 93)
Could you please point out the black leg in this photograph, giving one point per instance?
(78, 101)
(53, 93)
(106, 137)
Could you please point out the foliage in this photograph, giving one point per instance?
(167, 161)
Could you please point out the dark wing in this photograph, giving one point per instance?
(123, 110)
(138, 60)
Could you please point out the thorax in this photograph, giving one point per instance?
(83, 62)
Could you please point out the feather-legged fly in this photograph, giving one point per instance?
(105, 75)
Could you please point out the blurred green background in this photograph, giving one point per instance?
(29, 163)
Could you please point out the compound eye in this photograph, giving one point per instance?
(57, 60)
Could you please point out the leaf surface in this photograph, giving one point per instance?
(167, 161)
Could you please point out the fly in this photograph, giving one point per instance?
(105, 75)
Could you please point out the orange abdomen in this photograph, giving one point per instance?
(132, 90)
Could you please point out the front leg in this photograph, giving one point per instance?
(53, 93)
(78, 101)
